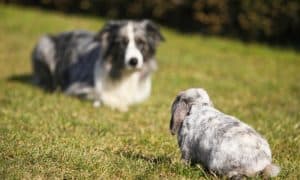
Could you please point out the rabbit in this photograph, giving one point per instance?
(222, 144)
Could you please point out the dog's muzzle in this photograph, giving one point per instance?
(133, 58)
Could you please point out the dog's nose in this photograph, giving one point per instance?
(133, 61)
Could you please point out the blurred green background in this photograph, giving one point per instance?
(271, 21)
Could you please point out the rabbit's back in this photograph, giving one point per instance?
(223, 143)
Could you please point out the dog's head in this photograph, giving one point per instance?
(128, 45)
(183, 103)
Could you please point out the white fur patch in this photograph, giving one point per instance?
(120, 94)
(132, 51)
(47, 49)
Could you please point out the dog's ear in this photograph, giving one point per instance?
(180, 109)
(153, 31)
(106, 33)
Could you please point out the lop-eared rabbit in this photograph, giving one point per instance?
(222, 144)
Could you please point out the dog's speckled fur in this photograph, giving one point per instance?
(221, 143)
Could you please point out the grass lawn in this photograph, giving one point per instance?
(46, 135)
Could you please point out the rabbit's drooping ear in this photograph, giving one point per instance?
(153, 31)
(180, 109)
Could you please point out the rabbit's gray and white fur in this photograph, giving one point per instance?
(219, 142)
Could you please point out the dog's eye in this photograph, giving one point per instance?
(140, 43)
(122, 41)
(125, 41)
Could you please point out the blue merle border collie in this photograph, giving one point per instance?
(112, 67)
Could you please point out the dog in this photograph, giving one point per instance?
(112, 67)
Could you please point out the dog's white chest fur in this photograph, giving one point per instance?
(119, 94)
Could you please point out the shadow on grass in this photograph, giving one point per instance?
(156, 161)
(22, 78)
(152, 161)
(27, 80)
(148, 158)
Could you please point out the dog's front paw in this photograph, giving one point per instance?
(122, 108)
(96, 104)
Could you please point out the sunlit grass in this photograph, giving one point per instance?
(50, 135)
